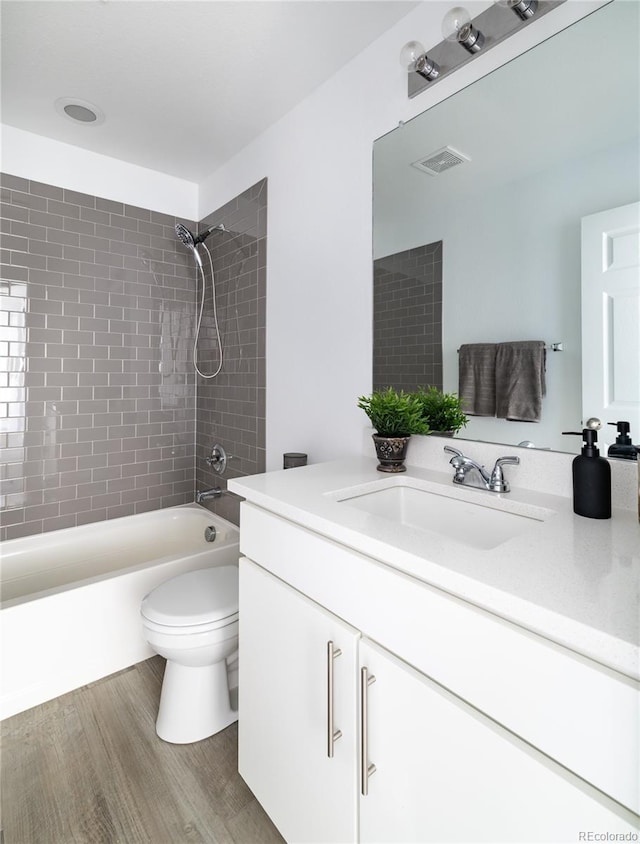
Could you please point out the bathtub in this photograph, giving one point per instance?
(70, 600)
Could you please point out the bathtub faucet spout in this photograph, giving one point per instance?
(206, 494)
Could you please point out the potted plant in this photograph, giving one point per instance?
(395, 416)
(441, 411)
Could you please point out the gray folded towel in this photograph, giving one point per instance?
(477, 378)
(520, 380)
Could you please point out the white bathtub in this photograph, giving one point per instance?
(70, 609)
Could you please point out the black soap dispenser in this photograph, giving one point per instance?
(591, 479)
(622, 447)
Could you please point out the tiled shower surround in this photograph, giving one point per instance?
(97, 388)
(407, 319)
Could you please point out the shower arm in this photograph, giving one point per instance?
(205, 234)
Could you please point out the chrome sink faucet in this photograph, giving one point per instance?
(470, 473)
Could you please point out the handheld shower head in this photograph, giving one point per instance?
(185, 235)
(187, 238)
(189, 241)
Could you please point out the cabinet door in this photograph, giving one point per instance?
(445, 772)
(284, 710)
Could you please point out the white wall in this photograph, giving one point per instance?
(55, 163)
(318, 160)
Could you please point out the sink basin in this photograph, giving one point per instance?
(477, 525)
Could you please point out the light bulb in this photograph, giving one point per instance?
(457, 26)
(456, 23)
(410, 54)
(414, 60)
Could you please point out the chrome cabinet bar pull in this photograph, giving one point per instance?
(332, 734)
(366, 769)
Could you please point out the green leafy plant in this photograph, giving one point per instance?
(441, 411)
(394, 414)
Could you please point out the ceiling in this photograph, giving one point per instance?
(183, 84)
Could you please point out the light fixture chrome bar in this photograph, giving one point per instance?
(496, 24)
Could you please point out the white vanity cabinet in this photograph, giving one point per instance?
(443, 770)
(479, 729)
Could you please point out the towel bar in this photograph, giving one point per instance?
(552, 347)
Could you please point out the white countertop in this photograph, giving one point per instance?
(573, 580)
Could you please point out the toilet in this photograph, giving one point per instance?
(192, 621)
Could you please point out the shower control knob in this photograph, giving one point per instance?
(218, 459)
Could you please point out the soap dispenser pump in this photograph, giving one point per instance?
(591, 479)
(622, 447)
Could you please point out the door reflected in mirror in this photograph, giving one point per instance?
(544, 141)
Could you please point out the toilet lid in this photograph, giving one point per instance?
(195, 597)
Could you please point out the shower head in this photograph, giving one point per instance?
(185, 235)
(189, 241)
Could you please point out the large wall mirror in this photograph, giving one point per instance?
(546, 140)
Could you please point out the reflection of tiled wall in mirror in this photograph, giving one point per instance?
(407, 319)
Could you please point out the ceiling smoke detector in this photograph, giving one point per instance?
(442, 159)
(80, 111)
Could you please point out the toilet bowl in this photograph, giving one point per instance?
(192, 621)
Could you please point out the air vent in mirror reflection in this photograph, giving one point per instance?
(440, 160)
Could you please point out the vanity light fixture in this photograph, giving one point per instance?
(482, 33)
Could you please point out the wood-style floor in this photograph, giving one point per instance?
(88, 767)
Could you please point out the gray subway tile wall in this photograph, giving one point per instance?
(97, 388)
(97, 397)
(231, 407)
(407, 319)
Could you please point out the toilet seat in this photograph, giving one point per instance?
(189, 629)
(197, 601)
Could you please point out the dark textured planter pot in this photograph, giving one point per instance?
(391, 453)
